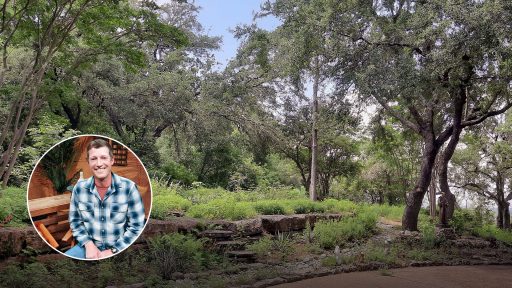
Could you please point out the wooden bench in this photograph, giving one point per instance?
(50, 217)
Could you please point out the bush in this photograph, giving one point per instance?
(428, 232)
(202, 195)
(176, 253)
(379, 254)
(163, 204)
(465, 221)
(178, 173)
(332, 233)
(261, 247)
(339, 206)
(281, 245)
(32, 275)
(490, 231)
(304, 206)
(386, 211)
(223, 209)
(273, 193)
(270, 207)
(13, 207)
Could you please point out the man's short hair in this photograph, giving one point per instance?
(98, 143)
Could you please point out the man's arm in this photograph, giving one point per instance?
(78, 228)
(134, 219)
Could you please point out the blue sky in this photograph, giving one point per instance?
(218, 16)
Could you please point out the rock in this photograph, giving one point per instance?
(157, 227)
(269, 282)
(249, 227)
(471, 242)
(14, 240)
(136, 285)
(282, 223)
(446, 233)
(420, 263)
(216, 234)
(177, 275)
(242, 256)
(286, 223)
(230, 245)
(223, 224)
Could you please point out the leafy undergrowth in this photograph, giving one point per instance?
(13, 207)
(217, 203)
(330, 234)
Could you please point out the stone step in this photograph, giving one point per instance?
(216, 234)
(230, 245)
(242, 256)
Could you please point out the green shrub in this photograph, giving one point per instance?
(13, 207)
(428, 232)
(421, 255)
(329, 261)
(389, 212)
(380, 254)
(281, 245)
(31, 275)
(222, 209)
(203, 195)
(163, 204)
(176, 253)
(277, 193)
(270, 207)
(178, 173)
(304, 206)
(490, 231)
(339, 206)
(261, 247)
(465, 221)
(331, 233)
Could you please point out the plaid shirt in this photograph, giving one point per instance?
(116, 221)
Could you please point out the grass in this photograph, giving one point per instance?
(218, 203)
(13, 207)
(280, 246)
(490, 231)
(228, 209)
(331, 233)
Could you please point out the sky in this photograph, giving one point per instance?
(219, 16)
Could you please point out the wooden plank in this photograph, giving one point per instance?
(53, 219)
(58, 227)
(47, 235)
(48, 205)
(68, 236)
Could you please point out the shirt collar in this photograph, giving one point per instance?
(115, 186)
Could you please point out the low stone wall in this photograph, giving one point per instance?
(14, 240)
(248, 227)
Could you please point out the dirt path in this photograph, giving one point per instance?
(431, 277)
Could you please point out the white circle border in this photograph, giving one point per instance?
(99, 136)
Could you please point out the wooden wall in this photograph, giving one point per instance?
(40, 186)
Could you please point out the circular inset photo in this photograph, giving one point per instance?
(89, 197)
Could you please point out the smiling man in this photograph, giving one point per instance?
(106, 213)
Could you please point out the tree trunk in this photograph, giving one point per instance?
(314, 135)
(415, 197)
(506, 216)
(503, 219)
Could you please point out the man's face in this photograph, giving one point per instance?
(100, 162)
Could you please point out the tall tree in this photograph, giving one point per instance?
(484, 165)
(435, 66)
(47, 29)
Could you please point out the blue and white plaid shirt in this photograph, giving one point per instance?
(114, 222)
